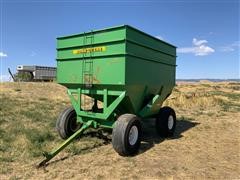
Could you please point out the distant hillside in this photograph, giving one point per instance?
(212, 80)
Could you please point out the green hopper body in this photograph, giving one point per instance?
(126, 69)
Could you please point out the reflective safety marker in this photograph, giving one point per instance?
(88, 50)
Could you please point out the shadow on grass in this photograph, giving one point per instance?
(151, 137)
(100, 135)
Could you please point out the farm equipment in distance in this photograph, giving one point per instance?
(36, 73)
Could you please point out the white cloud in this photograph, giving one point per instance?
(160, 37)
(186, 50)
(198, 42)
(227, 49)
(2, 54)
(199, 48)
(203, 50)
(230, 47)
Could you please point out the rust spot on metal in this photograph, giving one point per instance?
(98, 69)
(89, 79)
(95, 80)
(73, 78)
(113, 61)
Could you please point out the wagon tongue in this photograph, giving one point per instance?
(42, 163)
(52, 154)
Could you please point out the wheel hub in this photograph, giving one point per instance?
(74, 126)
(170, 122)
(133, 135)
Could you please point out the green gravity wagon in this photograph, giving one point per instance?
(115, 78)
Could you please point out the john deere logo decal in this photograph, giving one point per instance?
(88, 50)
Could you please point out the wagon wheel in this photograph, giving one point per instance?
(67, 123)
(166, 122)
(126, 136)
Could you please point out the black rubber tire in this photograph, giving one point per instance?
(120, 135)
(66, 123)
(162, 122)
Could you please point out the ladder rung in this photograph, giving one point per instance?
(89, 37)
(87, 70)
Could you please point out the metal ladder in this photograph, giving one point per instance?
(87, 65)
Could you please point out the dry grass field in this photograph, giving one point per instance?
(206, 144)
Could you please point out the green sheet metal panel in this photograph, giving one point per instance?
(117, 48)
(100, 36)
(120, 42)
(105, 63)
(148, 78)
(136, 36)
(70, 71)
(150, 68)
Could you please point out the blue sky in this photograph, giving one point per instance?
(205, 32)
